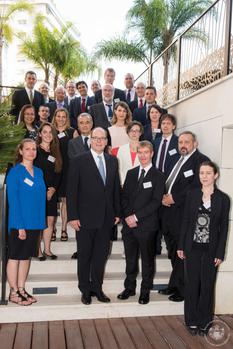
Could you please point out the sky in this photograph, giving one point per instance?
(96, 21)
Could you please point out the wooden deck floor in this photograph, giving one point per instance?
(162, 332)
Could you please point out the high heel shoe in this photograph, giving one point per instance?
(50, 256)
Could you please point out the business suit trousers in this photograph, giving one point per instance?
(93, 248)
(200, 276)
(136, 242)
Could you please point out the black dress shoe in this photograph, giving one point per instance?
(86, 298)
(42, 258)
(74, 255)
(144, 298)
(176, 297)
(50, 256)
(167, 291)
(100, 296)
(193, 330)
(126, 294)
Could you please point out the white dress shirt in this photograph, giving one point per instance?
(160, 148)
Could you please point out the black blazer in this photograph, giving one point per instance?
(140, 114)
(219, 221)
(172, 155)
(53, 106)
(75, 147)
(147, 133)
(20, 98)
(75, 108)
(88, 199)
(100, 118)
(117, 94)
(143, 202)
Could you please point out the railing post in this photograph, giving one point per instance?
(178, 68)
(227, 45)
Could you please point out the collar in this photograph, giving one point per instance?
(147, 168)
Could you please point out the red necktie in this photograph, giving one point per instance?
(140, 103)
(83, 105)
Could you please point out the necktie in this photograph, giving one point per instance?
(128, 97)
(83, 105)
(109, 111)
(86, 146)
(31, 96)
(162, 155)
(174, 173)
(101, 169)
(59, 105)
(140, 103)
(140, 180)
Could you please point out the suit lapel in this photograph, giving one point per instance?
(95, 168)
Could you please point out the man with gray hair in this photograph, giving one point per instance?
(130, 93)
(139, 101)
(59, 102)
(70, 92)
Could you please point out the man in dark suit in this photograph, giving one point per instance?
(130, 92)
(43, 115)
(60, 94)
(70, 92)
(27, 95)
(80, 104)
(109, 77)
(102, 112)
(141, 198)
(93, 207)
(166, 152)
(139, 102)
(140, 114)
(183, 177)
(44, 90)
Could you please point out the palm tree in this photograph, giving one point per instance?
(152, 26)
(6, 29)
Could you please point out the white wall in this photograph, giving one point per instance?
(209, 114)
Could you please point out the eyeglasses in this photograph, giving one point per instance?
(98, 139)
(135, 131)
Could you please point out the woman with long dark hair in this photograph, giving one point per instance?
(28, 119)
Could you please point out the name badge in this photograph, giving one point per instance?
(147, 185)
(51, 158)
(28, 182)
(156, 130)
(188, 173)
(116, 100)
(172, 152)
(61, 135)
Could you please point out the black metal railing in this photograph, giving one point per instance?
(3, 243)
(192, 61)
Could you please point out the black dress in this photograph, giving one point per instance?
(64, 138)
(46, 162)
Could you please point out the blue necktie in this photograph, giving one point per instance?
(101, 169)
(110, 113)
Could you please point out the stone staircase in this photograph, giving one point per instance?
(55, 285)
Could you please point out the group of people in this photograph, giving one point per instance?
(110, 158)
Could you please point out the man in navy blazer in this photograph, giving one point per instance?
(80, 104)
(70, 92)
(139, 101)
(166, 152)
(93, 207)
(141, 199)
(183, 177)
(109, 77)
(27, 95)
(60, 94)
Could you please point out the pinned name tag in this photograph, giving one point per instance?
(172, 152)
(61, 135)
(188, 173)
(147, 185)
(51, 158)
(28, 182)
(116, 100)
(156, 130)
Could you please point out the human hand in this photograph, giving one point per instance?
(50, 192)
(217, 262)
(22, 234)
(181, 254)
(75, 224)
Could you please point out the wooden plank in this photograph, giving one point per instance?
(89, 335)
(56, 335)
(105, 334)
(121, 334)
(7, 335)
(23, 336)
(40, 335)
(168, 334)
(73, 335)
(152, 334)
(138, 336)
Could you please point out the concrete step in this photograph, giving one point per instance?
(54, 307)
(65, 265)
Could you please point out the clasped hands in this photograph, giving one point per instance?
(167, 200)
(131, 221)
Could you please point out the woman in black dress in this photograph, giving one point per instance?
(202, 246)
(61, 122)
(27, 118)
(49, 160)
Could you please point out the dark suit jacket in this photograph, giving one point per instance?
(219, 220)
(117, 94)
(75, 108)
(147, 134)
(133, 105)
(53, 106)
(143, 202)
(100, 118)
(88, 199)
(171, 158)
(75, 147)
(20, 98)
(140, 114)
